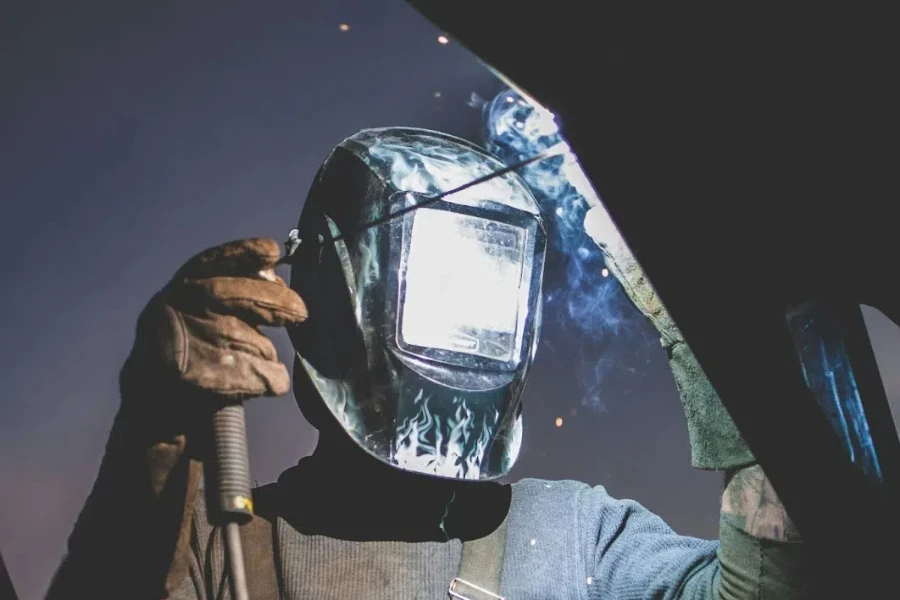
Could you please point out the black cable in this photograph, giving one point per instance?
(286, 259)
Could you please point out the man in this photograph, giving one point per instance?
(415, 314)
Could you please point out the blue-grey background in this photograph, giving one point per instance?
(136, 134)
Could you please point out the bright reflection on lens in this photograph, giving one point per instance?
(462, 284)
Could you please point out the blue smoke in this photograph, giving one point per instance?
(579, 293)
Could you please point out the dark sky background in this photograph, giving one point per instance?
(136, 134)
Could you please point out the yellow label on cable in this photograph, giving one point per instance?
(242, 503)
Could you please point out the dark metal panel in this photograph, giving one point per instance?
(871, 389)
(744, 155)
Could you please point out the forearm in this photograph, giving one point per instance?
(131, 536)
(761, 553)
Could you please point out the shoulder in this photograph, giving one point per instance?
(533, 487)
(592, 519)
(554, 499)
(554, 527)
(613, 545)
(566, 498)
(544, 553)
(586, 501)
(596, 517)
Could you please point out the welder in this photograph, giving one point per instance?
(415, 316)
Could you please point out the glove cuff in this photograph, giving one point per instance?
(716, 443)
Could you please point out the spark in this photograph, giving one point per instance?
(344, 27)
(559, 421)
(442, 39)
(604, 272)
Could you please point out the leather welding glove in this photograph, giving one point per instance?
(200, 334)
(715, 441)
(197, 345)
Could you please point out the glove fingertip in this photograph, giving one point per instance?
(279, 381)
(267, 249)
(244, 257)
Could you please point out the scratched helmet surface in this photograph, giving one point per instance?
(424, 310)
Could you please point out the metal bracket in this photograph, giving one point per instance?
(293, 242)
(465, 590)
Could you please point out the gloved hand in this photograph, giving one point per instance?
(197, 345)
(716, 443)
(198, 338)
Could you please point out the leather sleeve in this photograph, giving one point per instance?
(132, 537)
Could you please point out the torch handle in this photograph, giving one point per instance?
(232, 465)
(232, 482)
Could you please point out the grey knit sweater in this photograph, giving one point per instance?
(566, 540)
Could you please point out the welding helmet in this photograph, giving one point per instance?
(424, 307)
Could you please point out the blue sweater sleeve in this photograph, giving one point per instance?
(632, 554)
